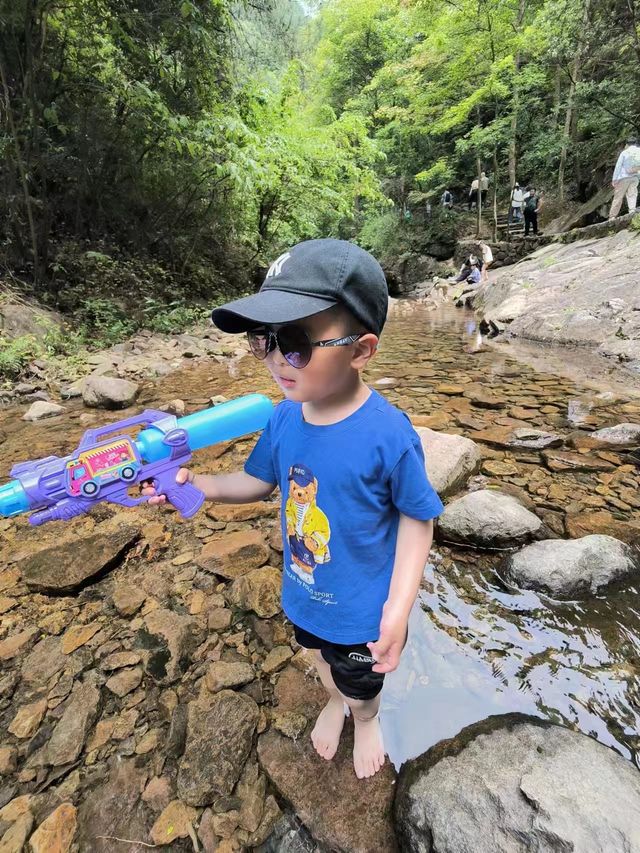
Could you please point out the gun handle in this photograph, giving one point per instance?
(185, 497)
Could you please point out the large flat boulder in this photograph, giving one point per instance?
(574, 567)
(488, 518)
(514, 783)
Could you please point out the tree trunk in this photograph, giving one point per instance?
(513, 145)
(570, 124)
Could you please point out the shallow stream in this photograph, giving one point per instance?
(476, 647)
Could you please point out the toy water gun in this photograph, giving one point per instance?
(103, 469)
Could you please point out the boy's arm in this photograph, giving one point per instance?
(412, 551)
(236, 488)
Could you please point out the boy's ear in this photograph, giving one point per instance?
(364, 349)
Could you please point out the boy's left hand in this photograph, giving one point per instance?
(388, 648)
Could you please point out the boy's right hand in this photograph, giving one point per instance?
(184, 475)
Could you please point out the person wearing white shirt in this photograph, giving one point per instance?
(517, 200)
(473, 193)
(625, 178)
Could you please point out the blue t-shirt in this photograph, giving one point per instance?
(343, 488)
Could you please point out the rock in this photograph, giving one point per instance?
(318, 789)
(499, 468)
(571, 568)
(106, 392)
(77, 636)
(15, 837)
(8, 760)
(242, 512)
(517, 783)
(157, 794)
(114, 809)
(27, 721)
(235, 554)
(276, 659)
(174, 822)
(42, 409)
(536, 439)
(15, 808)
(219, 735)
(450, 459)
(45, 660)
(7, 604)
(10, 646)
(488, 518)
(620, 436)
(603, 522)
(65, 568)
(259, 591)
(149, 741)
(483, 398)
(221, 675)
(565, 461)
(219, 619)
(125, 681)
(127, 599)
(168, 641)
(117, 660)
(55, 834)
(289, 723)
(69, 735)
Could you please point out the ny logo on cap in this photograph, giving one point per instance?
(276, 267)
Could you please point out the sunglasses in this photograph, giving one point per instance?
(293, 342)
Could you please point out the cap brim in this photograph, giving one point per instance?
(268, 307)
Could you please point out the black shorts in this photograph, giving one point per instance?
(351, 666)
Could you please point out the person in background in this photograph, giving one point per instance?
(517, 200)
(484, 187)
(625, 178)
(473, 193)
(531, 209)
(446, 200)
(474, 276)
(465, 269)
(487, 260)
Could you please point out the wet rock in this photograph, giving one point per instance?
(488, 518)
(70, 734)
(55, 834)
(42, 409)
(65, 568)
(125, 681)
(114, 809)
(557, 460)
(450, 459)
(174, 822)
(516, 783)
(28, 719)
(625, 435)
(219, 735)
(167, 643)
(221, 675)
(259, 591)
(107, 392)
(235, 554)
(584, 523)
(15, 837)
(572, 568)
(318, 790)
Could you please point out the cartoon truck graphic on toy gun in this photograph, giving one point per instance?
(104, 466)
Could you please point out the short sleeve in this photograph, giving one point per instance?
(260, 461)
(411, 492)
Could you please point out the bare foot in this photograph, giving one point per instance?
(368, 749)
(328, 728)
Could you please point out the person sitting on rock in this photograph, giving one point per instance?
(358, 507)
(466, 269)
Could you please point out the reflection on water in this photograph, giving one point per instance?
(476, 649)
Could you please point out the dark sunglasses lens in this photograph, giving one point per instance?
(258, 343)
(295, 346)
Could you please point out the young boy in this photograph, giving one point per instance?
(357, 507)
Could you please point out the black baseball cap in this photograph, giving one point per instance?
(311, 277)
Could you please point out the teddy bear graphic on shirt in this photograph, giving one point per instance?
(308, 530)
